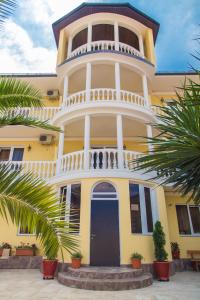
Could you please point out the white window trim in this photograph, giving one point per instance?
(190, 221)
(67, 188)
(143, 216)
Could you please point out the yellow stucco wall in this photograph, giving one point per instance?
(185, 242)
(37, 152)
(149, 46)
(128, 242)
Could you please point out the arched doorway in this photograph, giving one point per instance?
(104, 240)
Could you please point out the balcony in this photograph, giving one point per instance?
(105, 46)
(100, 161)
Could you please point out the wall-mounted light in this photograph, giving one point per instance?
(29, 148)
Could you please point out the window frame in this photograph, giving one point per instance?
(11, 148)
(143, 214)
(24, 234)
(68, 201)
(190, 220)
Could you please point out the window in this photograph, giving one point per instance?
(71, 199)
(142, 208)
(24, 231)
(12, 154)
(188, 217)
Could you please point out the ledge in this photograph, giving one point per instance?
(21, 262)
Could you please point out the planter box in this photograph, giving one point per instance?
(1, 252)
(24, 252)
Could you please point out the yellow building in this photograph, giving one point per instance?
(102, 97)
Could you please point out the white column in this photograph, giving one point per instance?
(86, 142)
(117, 80)
(120, 144)
(145, 90)
(88, 80)
(60, 149)
(65, 90)
(150, 135)
(69, 46)
(141, 45)
(116, 31)
(89, 37)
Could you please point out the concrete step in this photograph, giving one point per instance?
(105, 272)
(105, 284)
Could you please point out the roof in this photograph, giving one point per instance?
(176, 73)
(28, 75)
(85, 9)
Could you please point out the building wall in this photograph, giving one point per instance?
(185, 242)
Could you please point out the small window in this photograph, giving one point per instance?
(141, 210)
(14, 154)
(4, 154)
(25, 231)
(136, 224)
(188, 217)
(71, 199)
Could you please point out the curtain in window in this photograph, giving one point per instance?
(136, 224)
(4, 154)
(148, 209)
(75, 206)
(18, 154)
(195, 218)
(183, 219)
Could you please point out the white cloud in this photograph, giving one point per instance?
(18, 53)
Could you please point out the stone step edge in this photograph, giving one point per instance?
(106, 284)
(92, 274)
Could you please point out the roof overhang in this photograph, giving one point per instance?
(124, 9)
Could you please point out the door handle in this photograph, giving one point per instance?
(93, 236)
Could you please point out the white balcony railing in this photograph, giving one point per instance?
(100, 95)
(105, 46)
(99, 159)
(40, 113)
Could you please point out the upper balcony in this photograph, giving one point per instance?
(93, 28)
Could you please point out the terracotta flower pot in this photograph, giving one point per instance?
(76, 263)
(24, 252)
(1, 251)
(162, 270)
(136, 263)
(176, 254)
(49, 268)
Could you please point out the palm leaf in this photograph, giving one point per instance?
(7, 120)
(6, 9)
(31, 203)
(175, 159)
(17, 93)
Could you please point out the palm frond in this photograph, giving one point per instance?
(6, 9)
(7, 120)
(17, 93)
(175, 159)
(32, 204)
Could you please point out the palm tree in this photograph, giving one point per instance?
(6, 9)
(28, 201)
(175, 158)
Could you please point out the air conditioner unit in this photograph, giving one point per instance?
(46, 139)
(53, 94)
(169, 102)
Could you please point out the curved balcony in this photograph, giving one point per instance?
(105, 46)
(99, 160)
(105, 95)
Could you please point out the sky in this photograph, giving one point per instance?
(27, 43)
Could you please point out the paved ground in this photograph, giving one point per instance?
(28, 285)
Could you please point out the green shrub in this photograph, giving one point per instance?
(159, 242)
(77, 255)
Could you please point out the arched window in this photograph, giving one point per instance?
(104, 191)
(80, 39)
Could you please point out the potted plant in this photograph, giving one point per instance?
(175, 250)
(4, 246)
(76, 260)
(49, 267)
(136, 260)
(26, 249)
(161, 265)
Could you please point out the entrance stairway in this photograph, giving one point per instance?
(105, 278)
